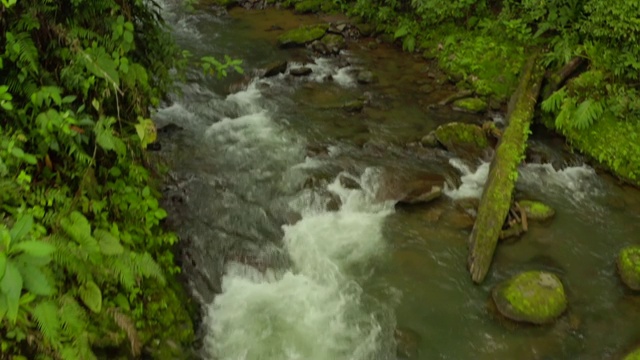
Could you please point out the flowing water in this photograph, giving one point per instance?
(295, 251)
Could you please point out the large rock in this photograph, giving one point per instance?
(302, 36)
(629, 266)
(409, 189)
(535, 297)
(536, 210)
(472, 105)
(275, 68)
(462, 139)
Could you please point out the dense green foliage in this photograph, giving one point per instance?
(84, 262)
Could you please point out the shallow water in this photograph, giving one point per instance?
(290, 262)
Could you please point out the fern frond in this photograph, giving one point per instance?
(587, 112)
(554, 102)
(122, 268)
(127, 325)
(78, 228)
(23, 51)
(73, 317)
(145, 266)
(46, 316)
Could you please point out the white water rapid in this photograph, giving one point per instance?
(315, 309)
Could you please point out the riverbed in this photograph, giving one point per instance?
(293, 252)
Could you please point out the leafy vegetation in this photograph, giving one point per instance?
(85, 267)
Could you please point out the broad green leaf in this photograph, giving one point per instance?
(146, 130)
(91, 296)
(11, 287)
(36, 281)
(109, 244)
(21, 228)
(3, 263)
(34, 248)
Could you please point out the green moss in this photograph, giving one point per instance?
(308, 6)
(613, 143)
(462, 138)
(629, 266)
(168, 308)
(302, 36)
(474, 105)
(536, 210)
(491, 63)
(534, 296)
(334, 41)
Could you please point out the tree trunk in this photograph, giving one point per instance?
(496, 199)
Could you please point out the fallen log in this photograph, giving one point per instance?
(503, 173)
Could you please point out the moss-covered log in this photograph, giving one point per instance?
(496, 199)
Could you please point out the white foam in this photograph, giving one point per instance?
(313, 311)
(578, 184)
(323, 69)
(472, 182)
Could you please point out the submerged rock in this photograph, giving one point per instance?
(472, 105)
(302, 36)
(535, 297)
(366, 77)
(462, 139)
(407, 343)
(536, 210)
(628, 265)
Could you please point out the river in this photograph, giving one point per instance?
(293, 253)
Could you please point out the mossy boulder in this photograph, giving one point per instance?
(629, 266)
(302, 36)
(462, 139)
(334, 43)
(308, 6)
(536, 210)
(535, 297)
(633, 355)
(472, 105)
